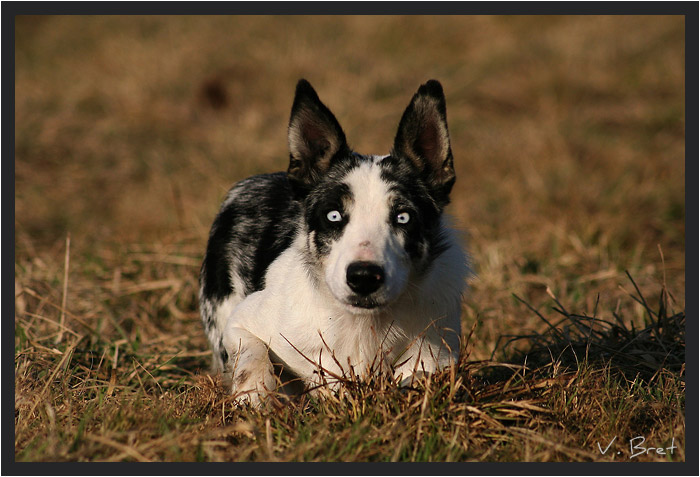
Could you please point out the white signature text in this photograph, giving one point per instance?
(637, 447)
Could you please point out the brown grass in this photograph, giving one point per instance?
(568, 136)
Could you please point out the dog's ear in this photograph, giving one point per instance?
(424, 140)
(314, 135)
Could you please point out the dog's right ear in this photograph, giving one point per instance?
(314, 135)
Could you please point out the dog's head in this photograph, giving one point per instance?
(372, 222)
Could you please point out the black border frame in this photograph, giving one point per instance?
(686, 8)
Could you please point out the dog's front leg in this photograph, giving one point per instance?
(423, 357)
(248, 372)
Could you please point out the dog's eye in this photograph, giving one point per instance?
(334, 216)
(403, 218)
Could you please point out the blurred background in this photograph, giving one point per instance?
(567, 132)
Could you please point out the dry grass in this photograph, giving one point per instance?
(568, 135)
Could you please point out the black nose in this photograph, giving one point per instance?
(365, 277)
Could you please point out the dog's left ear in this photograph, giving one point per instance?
(315, 137)
(424, 140)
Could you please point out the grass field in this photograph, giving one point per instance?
(568, 135)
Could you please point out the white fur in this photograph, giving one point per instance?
(368, 237)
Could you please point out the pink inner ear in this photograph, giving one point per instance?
(311, 131)
(428, 143)
(316, 137)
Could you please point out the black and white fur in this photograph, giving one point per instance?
(344, 265)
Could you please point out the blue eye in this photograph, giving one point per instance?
(334, 216)
(403, 218)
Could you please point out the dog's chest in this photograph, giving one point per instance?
(360, 341)
(341, 345)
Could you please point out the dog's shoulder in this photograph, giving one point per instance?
(257, 221)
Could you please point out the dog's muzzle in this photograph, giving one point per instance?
(364, 278)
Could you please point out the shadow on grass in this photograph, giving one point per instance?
(576, 340)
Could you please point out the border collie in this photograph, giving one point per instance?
(342, 266)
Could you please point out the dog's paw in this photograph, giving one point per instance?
(251, 385)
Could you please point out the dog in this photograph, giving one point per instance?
(342, 266)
